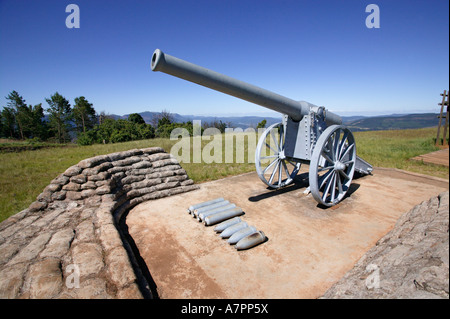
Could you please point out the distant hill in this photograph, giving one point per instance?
(355, 123)
(392, 122)
(234, 121)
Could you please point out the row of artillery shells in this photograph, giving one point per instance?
(232, 227)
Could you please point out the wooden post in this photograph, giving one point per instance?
(444, 142)
(443, 104)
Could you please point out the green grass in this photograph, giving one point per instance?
(395, 148)
(9, 145)
(23, 175)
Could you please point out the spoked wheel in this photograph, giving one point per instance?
(272, 166)
(332, 165)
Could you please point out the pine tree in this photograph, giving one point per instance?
(84, 114)
(60, 113)
(17, 105)
(9, 122)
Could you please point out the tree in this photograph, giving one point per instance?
(116, 131)
(218, 124)
(136, 118)
(60, 114)
(83, 114)
(8, 121)
(28, 120)
(17, 105)
(38, 126)
(261, 124)
(2, 131)
(164, 117)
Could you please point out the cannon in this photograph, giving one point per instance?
(307, 134)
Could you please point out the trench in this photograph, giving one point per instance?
(145, 281)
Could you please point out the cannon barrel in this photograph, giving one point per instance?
(228, 85)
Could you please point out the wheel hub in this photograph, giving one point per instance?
(339, 166)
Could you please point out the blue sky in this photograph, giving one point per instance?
(318, 51)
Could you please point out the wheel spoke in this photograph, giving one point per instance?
(344, 138)
(324, 168)
(339, 183)
(280, 170)
(344, 175)
(273, 172)
(270, 165)
(329, 160)
(347, 150)
(333, 189)
(267, 145)
(325, 176)
(270, 156)
(327, 187)
(275, 140)
(336, 138)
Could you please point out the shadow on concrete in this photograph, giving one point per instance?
(302, 181)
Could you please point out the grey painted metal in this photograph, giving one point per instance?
(332, 165)
(209, 207)
(251, 240)
(232, 229)
(227, 223)
(362, 166)
(272, 166)
(202, 215)
(228, 85)
(220, 217)
(202, 204)
(237, 236)
(301, 136)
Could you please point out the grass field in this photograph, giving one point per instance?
(23, 175)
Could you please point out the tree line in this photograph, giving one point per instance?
(57, 122)
(62, 123)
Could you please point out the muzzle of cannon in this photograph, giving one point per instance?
(308, 134)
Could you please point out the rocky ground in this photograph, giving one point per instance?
(411, 261)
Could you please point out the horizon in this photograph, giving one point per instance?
(324, 52)
(275, 114)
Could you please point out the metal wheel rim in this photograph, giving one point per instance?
(273, 168)
(332, 165)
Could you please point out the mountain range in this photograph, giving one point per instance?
(355, 123)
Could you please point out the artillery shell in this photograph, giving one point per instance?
(237, 236)
(212, 201)
(251, 240)
(202, 215)
(225, 224)
(220, 217)
(232, 229)
(209, 207)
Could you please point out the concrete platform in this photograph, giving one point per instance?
(309, 247)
